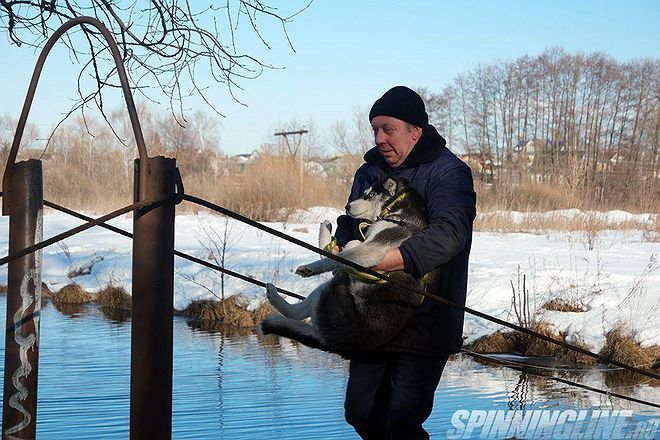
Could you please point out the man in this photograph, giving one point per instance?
(390, 392)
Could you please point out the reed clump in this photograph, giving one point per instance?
(498, 342)
(72, 294)
(262, 311)
(45, 291)
(113, 298)
(232, 311)
(622, 346)
(564, 305)
(527, 345)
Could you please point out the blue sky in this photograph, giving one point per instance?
(348, 53)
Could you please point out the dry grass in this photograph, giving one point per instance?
(497, 342)
(113, 298)
(92, 176)
(533, 346)
(71, 309)
(591, 223)
(515, 342)
(564, 305)
(45, 291)
(268, 189)
(652, 231)
(621, 346)
(230, 312)
(72, 294)
(262, 311)
(531, 196)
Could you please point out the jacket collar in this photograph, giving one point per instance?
(428, 148)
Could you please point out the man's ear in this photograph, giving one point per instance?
(389, 185)
(417, 132)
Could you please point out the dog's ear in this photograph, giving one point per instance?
(389, 185)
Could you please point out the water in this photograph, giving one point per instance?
(241, 385)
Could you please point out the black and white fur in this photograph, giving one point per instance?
(348, 315)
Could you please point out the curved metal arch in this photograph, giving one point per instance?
(130, 104)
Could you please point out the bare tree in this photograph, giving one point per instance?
(166, 44)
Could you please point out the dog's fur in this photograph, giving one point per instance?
(349, 315)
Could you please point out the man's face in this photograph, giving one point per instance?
(394, 138)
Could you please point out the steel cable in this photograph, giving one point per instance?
(84, 227)
(177, 253)
(466, 309)
(528, 369)
(512, 365)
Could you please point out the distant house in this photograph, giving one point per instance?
(236, 164)
(524, 151)
(481, 165)
(342, 166)
(246, 157)
(476, 161)
(617, 157)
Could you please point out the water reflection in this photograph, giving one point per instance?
(70, 310)
(234, 383)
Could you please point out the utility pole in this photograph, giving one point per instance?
(298, 150)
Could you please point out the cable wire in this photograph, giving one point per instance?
(508, 364)
(527, 369)
(177, 253)
(84, 227)
(469, 310)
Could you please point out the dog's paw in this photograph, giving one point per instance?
(266, 325)
(270, 324)
(271, 293)
(305, 271)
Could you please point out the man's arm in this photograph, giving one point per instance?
(450, 201)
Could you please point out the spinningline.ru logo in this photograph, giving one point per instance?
(551, 424)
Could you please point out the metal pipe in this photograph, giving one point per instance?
(123, 79)
(19, 409)
(152, 304)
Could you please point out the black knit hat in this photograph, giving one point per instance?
(402, 103)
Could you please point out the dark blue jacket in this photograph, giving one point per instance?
(442, 249)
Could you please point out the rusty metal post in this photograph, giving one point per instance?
(153, 301)
(25, 207)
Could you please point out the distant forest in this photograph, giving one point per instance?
(551, 131)
(586, 121)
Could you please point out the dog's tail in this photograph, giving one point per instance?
(292, 329)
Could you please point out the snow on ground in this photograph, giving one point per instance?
(617, 281)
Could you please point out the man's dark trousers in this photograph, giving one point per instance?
(390, 395)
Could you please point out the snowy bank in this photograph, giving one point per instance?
(617, 281)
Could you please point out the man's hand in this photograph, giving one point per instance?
(393, 261)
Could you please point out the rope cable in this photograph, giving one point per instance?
(508, 364)
(84, 227)
(529, 369)
(177, 253)
(466, 309)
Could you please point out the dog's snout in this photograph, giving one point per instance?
(347, 207)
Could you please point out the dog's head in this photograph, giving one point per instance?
(375, 199)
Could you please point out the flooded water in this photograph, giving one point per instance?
(241, 385)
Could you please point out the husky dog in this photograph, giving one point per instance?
(355, 312)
